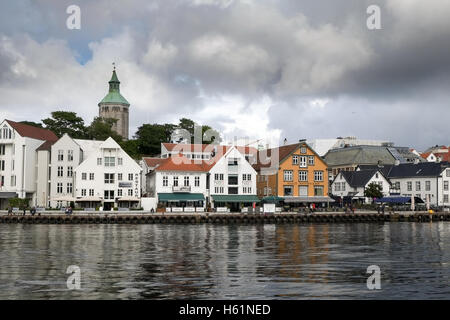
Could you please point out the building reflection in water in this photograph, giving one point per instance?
(230, 261)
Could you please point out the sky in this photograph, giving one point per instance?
(255, 69)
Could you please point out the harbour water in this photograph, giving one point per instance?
(206, 261)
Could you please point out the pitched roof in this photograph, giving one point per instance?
(181, 163)
(46, 146)
(359, 155)
(188, 147)
(28, 131)
(358, 178)
(153, 162)
(423, 169)
(265, 157)
(384, 169)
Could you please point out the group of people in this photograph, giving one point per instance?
(24, 210)
(349, 208)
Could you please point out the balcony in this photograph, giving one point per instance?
(181, 188)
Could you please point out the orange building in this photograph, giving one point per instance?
(295, 172)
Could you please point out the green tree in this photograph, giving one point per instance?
(101, 129)
(131, 148)
(62, 122)
(150, 136)
(373, 190)
(31, 123)
(209, 135)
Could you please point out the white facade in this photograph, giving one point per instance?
(17, 165)
(232, 174)
(437, 188)
(341, 188)
(108, 177)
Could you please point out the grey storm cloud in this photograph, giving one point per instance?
(294, 69)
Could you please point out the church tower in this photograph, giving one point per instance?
(115, 106)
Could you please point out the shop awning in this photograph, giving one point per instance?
(7, 195)
(399, 200)
(64, 198)
(90, 199)
(307, 199)
(272, 199)
(128, 199)
(180, 196)
(235, 198)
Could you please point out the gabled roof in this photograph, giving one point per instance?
(46, 146)
(359, 155)
(384, 169)
(153, 162)
(181, 163)
(188, 147)
(358, 179)
(423, 169)
(264, 157)
(28, 131)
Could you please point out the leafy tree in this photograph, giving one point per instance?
(373, 190)
(62, 122)
(209, 135)
(31, 123)
(150, 136)
(131, 147)
(101, 129)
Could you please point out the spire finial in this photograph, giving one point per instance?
(114, 66)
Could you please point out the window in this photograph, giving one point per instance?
(59, 187)
(343, 186)
(409, 186)
(2, 149)
(218, 189)
(84, 176)
(2, 165)
(303, 191)
(249, 177)
(60, 171)
(130, 177)
(91, 176)
(417, 185)
(109, 194)
(232, 180)
(119, 192)
(186, 181)
(130, 192)
(397, 185)
(445, 185)
(13, 181)
(83, 192)
(310, 160)
(165, 181)
(318, 191)
(303, 150)
(318, 175)
(70, 155)
(233, 190)
(119, 177)
(446, 198)
(218, 177)
(175, 181)
(120, 161)
(99, 161)
(376, 175)
(110, 161)
(197, 181)
(447, 172)
(109, 177)
(287, 175)
(427, 185)
(70, 172)
(91, 192)
(295, 159)
(60, 155)
(303, 175)
(337, 186)
(287, 190)
(303, 162)
(69, 187)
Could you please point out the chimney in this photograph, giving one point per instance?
(397, 162)
(416, 160)
(285, 141)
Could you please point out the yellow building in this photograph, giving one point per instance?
(295, 172)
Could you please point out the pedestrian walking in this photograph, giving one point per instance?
(33, 211)
(9, 211)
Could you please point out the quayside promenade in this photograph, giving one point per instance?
(221, 218)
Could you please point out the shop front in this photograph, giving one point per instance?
(234, 202)
(181, 202)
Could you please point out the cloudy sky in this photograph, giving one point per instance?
(263, 69)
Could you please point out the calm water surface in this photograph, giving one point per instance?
(225, 262)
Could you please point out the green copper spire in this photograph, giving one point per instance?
(114, 95)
